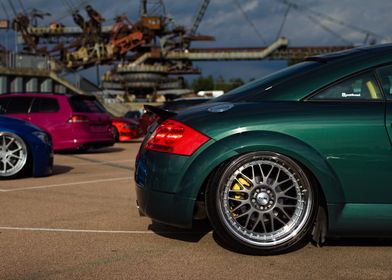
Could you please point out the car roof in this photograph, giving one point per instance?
(352, 53)
(300, 80)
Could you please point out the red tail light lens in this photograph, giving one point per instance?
(175, 138)
(78, 119)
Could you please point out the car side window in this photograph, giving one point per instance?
(44, 105)
(359, 88)
(3, 105)
(19, 105)
(385, 74)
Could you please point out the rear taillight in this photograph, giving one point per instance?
(175, 138)
(78, 119)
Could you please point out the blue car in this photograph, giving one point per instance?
(24, 149)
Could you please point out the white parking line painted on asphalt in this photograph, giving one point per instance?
(77, 230)
(97, 231)
(67, 184)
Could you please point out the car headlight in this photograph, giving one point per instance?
(44, 137)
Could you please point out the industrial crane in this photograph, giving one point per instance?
(148, 52)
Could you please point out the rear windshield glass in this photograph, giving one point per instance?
(85, 106)
(256, 89)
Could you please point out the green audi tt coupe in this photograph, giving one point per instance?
(302, 154)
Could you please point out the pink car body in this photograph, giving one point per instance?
(74, 122)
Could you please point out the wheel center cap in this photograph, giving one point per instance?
(262, 198)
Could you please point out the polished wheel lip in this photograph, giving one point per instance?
(297, 219)
(13, 154)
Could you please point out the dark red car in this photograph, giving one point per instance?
(125, 129)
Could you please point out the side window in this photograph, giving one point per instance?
(361, 87)
(3, 105)
(19, 105)
(385, 74)
(44, 105)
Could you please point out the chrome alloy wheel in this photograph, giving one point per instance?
(13, 154)
(266, 201)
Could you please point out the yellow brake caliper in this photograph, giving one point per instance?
(237, 187)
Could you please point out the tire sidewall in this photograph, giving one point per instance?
(218, 181)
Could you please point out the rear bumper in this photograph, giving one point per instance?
(166, 208)
(80, 143)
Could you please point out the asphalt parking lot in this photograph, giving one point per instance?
(82, 223)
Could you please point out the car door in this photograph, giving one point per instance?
(45, 113)
(385, 77)
(353, 137)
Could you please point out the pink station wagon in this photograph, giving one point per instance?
(76, 122)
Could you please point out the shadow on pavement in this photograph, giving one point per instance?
(61, 169)
(199, 230)
(91, 151)
(359, 242)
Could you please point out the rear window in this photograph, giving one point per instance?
(255, 91)
(44, 105)
(3, 105)
(18, 105)
(80, 105)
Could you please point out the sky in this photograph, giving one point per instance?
(247, 23)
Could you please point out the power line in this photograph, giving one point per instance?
(330, 19)
(5, 10)
(326, 28)
(22, 6)
(12, 8)
(283, 22)
(249, 21)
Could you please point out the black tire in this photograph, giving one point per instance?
(116, 134)
(262, 203)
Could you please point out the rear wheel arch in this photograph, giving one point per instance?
(226, 149)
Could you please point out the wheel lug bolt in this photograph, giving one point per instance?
(261, 208)
(253, 200)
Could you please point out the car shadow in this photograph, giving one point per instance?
(202, 228)
(91, 151)
(135, 141)
(61, 169)
(104, 150)
(358, 242)
(195, 234)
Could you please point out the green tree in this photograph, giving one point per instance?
(203, 83)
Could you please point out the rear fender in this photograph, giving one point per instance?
(218, 152)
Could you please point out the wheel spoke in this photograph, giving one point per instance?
(286, 190)
(247, 220)
(272, 221)
(246, 177)
(15, 156)
(244, 188)
(9, 143)
(238, 206)
(277, 177)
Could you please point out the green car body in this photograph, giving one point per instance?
(344, 144)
